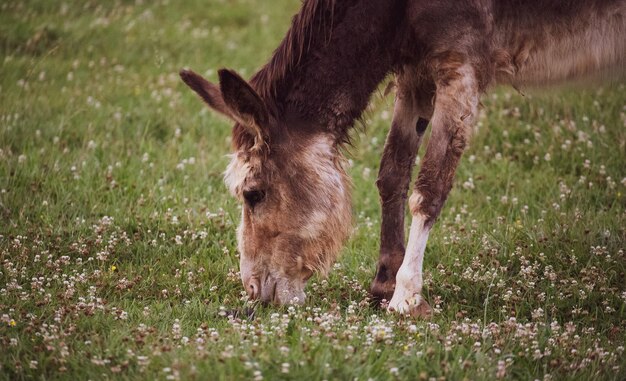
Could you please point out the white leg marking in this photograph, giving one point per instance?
(409, 278)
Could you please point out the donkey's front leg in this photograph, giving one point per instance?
(455, 110)
(393, 181)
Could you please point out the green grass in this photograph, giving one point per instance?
(117, 236)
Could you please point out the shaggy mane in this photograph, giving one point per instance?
(310, 27)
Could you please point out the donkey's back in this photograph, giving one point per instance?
(548, 41)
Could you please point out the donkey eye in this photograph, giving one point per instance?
(253, 197)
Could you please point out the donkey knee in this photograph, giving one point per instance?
(415, 202)
(427, 204)
(389, 186)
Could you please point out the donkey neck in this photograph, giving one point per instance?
(330, 86)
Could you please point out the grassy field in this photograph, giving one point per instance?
(117, 235)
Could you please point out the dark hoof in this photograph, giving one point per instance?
(381, 291)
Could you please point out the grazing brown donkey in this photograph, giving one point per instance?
(295, 114)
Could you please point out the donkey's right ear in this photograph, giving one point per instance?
(209, 92)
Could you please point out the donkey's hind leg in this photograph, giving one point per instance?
(455, 111)
(411, 113)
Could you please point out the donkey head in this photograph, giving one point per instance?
(295, 193)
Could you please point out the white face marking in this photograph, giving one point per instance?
(409, 278)
(245, 265)
(314, 226)
(322, 158)
(320, 155)
(235, 174)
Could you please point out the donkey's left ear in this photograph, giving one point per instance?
(210, 93)
(246, 105)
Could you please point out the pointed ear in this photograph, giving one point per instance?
(209, 92)
(246, 105)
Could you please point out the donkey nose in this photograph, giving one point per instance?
(268, 293)
(253, 288)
